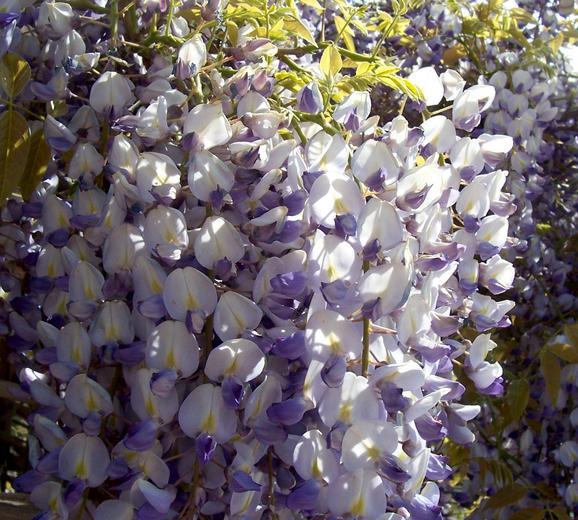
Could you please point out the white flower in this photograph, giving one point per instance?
(111, 93)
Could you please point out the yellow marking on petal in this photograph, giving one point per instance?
(130, 456)
(170, 237)
(358, 507)
(88, 292)
(111, 332)
(345, 413)
(170, 361)
(62, 220)
(156, 287)
(81, 471)
(373, 453)
(332, 272)
(76, 355)
(334, 344)
(339, 206)
(315, 470)
(150, 406)
(190, 302)
(209, 424)
(247, 502)
(91, 402)
(51, 270)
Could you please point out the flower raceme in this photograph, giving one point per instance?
(225, 318)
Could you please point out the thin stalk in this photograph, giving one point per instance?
(20, 107)
(295, 124)
(323, 21)
(347, 22)
(169, 17)
(365, 353)
(385, 34)
(89, 6)
(270, 493)
(402, 107)
(266, 8)
(441, 110)
(114, 23)
(292, 65)
(210, 320)
(307, 49)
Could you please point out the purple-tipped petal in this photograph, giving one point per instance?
(241, 482)
(304, 496)
(288, 412)
(141, 436)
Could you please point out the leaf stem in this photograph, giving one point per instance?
(169, 17)
(365, 352)
(20, 107)
(114, 23)
(385, 34)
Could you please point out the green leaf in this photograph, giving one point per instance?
(331, 62)
(565, 352)
(551, 371)
(14, 74)
(37, 164)
(506, 496)
(543, 229)
(312, 3)
(296, 26)
(529, 513)
(556, 42)
(517, 398)
(572, 332)
(345, 31)
(14, 147)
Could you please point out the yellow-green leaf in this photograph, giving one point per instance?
(296, 26)
(232, 32)
(506, 496)
(346, 33)
(517, 398)
(312, 3)
(360, 26)
(556, 42)
(37, 164)
(551, 371)
(330, 61)
(14, 147)
(529, 513)
(522, 15)
(565, 352)
(14, 74)
(572, 332)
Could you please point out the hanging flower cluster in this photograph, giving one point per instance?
(229, 297)
(527, 437)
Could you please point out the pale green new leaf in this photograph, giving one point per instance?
(331, 62)
(296, 26)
